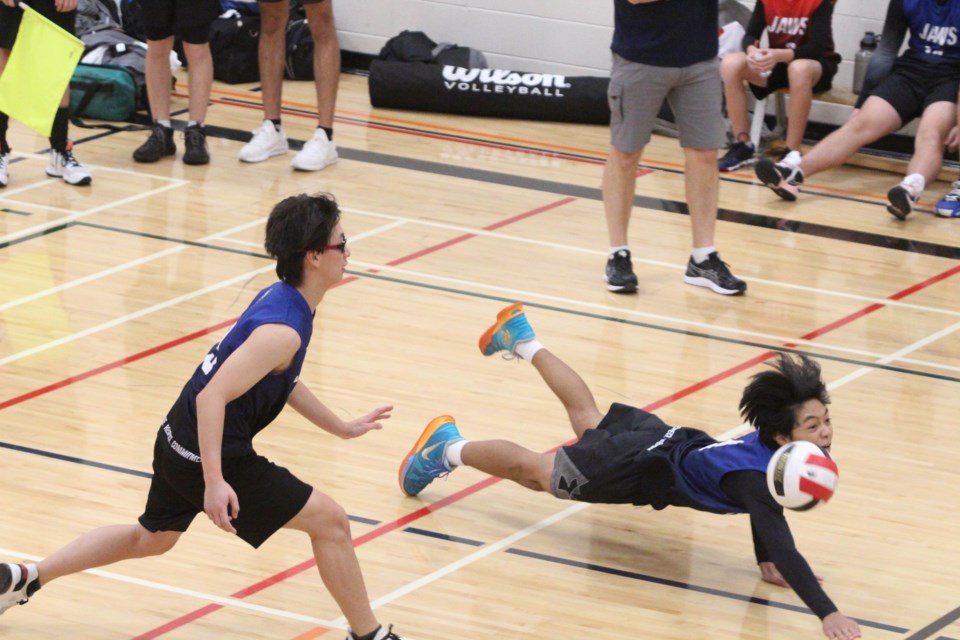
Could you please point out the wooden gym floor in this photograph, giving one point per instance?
(111, 294)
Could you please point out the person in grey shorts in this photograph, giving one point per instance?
(658, 57)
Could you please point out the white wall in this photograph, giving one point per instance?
(570, 37)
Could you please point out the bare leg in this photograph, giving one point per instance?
(326, 59)
(803, 75)
(271, 53)
(200, 74)
(326, 523)
(733, 68)
(570, 389)
(157, 72)
(619, 185)
(928, 144)
(876, 119)
(702, 182)
(104, 546)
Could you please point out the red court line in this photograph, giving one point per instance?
(483, 484)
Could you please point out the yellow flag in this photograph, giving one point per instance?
(38, 71)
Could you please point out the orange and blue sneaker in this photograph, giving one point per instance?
(426, 461)
(510, 329)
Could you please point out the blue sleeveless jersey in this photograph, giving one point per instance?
(668, 33)
(934, 30)
(699, 470)
(247, 415)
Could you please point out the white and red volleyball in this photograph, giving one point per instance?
(801, 475)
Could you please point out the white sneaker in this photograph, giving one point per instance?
(317, 153)
(4, 169)
(64, 165)
(13, 584)
(267, 142)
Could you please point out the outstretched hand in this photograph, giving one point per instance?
(769, 573)
(220, 504)
(369, 422)
(837, 626)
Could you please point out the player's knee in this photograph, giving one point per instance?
(328, 520)
(155, 543)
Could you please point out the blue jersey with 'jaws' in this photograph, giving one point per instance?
(247, 415)
(702, 469)
(934, 30)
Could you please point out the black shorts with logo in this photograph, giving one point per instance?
(269, 495)
(624, 460)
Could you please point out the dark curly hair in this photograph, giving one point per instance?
(299, 224)
(772, 399)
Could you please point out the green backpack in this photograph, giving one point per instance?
(104, 92)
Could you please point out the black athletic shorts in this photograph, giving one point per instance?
(914, 86)
(603, 465)
(779, 80)
(269, 495)
(10, 19)
(163, 18)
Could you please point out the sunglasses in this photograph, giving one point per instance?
(341, 246)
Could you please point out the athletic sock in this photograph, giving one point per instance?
(328, 131)
(58, 134)
(369, 636)
(276, 123)
(613, 250)
(4, 124)
(526, 350)
(454, 451)
(915, 183)
(699, 254)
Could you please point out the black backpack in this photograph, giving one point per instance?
(409, 46)
(233, 46)
(299, 58)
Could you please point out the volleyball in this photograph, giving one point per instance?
(801, 475)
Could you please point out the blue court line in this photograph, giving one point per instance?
(690, 587)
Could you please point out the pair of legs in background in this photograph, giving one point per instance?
(908, 93)
(636, 94)
(190, 20)
(61, 163)
(803, 77)
(269, 139)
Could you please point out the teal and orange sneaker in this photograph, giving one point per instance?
(425, 461)
(510, 329)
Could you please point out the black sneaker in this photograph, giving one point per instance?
(738, 155)
(195, 141)
(715, 274)
(382, 634)
(784, 179)
(620, 277)
(159, 144)
(900, 202)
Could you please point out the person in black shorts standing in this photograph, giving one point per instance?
(61, 163)
(269, 139)
(801, 58)
(191, 20)
(658, 57)
(204, 459)
(630, 456)
(923, 82)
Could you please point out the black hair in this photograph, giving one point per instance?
(772, 400)
(299, 224)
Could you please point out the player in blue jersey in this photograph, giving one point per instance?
(204, 459)
(921, 83)
(630, 456)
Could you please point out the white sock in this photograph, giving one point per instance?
(164, 123)
(453, 451)
(699, 254)
(613, 250)
(915, 183)
(527, 349)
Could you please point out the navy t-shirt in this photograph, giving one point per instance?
(247, 415)
(666, 33)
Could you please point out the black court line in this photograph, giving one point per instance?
(14, 211)
(690, 587)
(943, 621)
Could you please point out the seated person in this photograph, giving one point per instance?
(801, 57)
(920, 83)
(949, 205)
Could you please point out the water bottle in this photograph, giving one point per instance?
(860, 61)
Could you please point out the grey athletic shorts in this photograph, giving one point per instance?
(695, 95)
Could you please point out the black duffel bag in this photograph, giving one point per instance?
(233, 46)
(494, 93)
